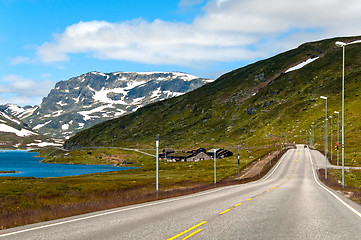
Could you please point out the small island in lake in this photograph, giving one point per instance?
(9, 171)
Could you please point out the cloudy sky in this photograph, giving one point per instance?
(46, 41)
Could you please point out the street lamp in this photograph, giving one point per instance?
(338, 132)
(326, 144)
(343, 45)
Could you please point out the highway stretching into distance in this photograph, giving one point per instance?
(288, 203)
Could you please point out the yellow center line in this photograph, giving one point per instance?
(192, 234)
(189, 229)
(225, 211)
(200, 224)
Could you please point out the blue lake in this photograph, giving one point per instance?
(29, 166)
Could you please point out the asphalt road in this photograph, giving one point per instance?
(288, 203)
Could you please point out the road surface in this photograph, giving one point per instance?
(288, 203)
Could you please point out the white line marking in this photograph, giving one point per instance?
(117, 211)
(132, 208)
(279, 162)
(334, 195)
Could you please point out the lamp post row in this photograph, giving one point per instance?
(339, 44)
(343, 45)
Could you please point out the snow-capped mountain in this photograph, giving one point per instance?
(12, 125)
(16, 134)
(86, 100)
(18, 111)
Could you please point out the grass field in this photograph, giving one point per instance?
(352, 187)
(29, 200)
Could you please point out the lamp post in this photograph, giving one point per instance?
(326, 144)
(343, 45)
(338, 132)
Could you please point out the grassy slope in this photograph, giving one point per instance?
(28, 200)
(352, 187)
(284, 106)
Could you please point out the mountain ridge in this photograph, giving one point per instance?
(82, 101)
(259, 103)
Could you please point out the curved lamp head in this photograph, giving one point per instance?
(323, 97)
(340, 44)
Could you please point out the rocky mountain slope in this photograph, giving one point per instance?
(86, 100)
(271, 101)
(14, 134)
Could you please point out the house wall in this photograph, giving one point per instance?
(199, 157)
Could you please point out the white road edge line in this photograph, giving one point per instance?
(115, 211)
(279, 162)
(334, 195)
(130, 208)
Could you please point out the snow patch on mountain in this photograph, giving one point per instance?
(301, 65)
(41, 125)
(44, 144)
(101, 96)
(21, 133)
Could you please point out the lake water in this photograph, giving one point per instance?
(29, 166)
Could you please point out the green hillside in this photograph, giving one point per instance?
(256, 105)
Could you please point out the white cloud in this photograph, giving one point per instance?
(21, 59)
(20, 90)
(228, 30)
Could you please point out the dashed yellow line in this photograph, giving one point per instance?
(229, 209)
(189, 229)
(192, 234)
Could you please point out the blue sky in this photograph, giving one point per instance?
(46, 41)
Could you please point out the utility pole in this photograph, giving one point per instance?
(215, 165)
(326, 137)
(338, 132)
(157, 167)
(239, 176)
(331, 139)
